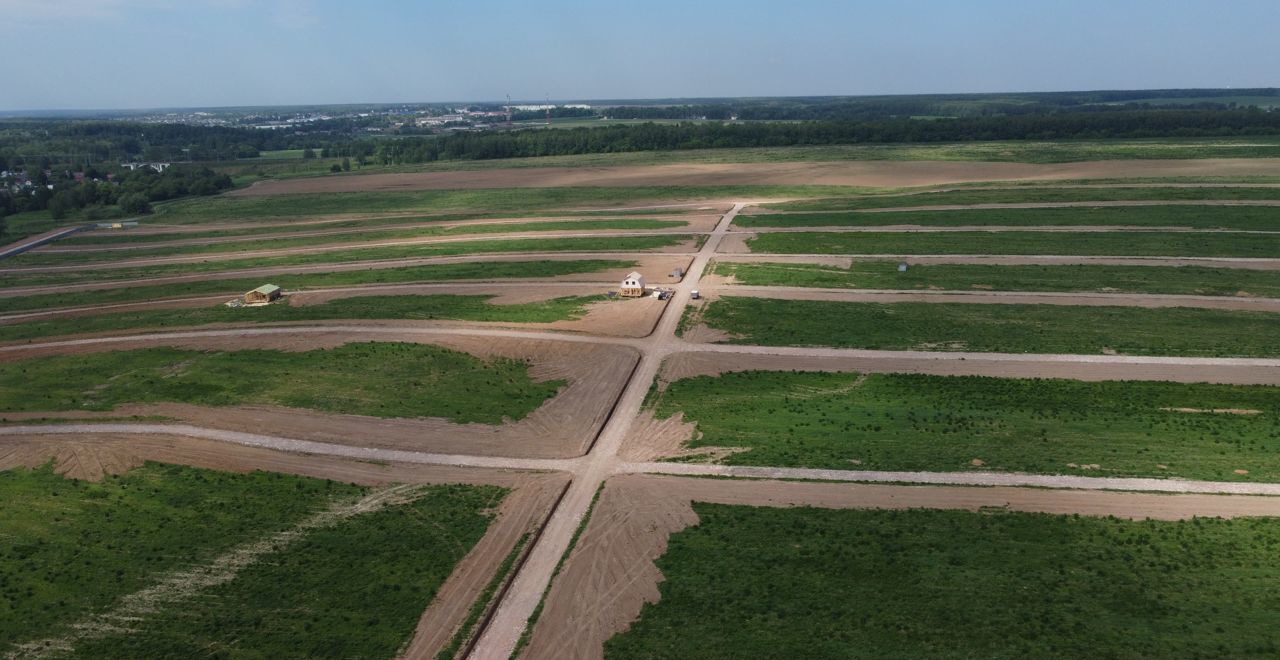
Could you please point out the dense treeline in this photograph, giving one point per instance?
(42, 144)
(131, 193)
(934, 105)
(654, 137)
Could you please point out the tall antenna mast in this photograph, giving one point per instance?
(508, 111)
(548, 108)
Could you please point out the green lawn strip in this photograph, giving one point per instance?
(591, 244)
(426, 308)
(1004, 328)
(1135, 243)
(1189, 280)
(1256, 218)
(380, 379)
(828, 583)
(494, 270)
(468, 627)
(912, 422)
(59, 258)
(74, 548)
(354, 590)
(23, 225)
(1029, 195)
(492, 200)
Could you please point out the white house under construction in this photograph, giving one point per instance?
(633, 285)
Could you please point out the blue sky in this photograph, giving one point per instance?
(169, 53)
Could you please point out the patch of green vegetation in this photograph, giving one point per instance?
(1258, 218)
(822, 583)
(21, 225)
(1182, 331)
(285, 227)
(355, 589)
(1125, 243)
(1190, 280)
(96, 256)
(593, 244)
(205, 209)
(424, 308)
(380, 379)
(912, 422)
(74, 548)
(493, 270)
(1028, 195)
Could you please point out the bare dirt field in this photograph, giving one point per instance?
(610, 574)
(694, 363)
(563, 427)
(872, 174)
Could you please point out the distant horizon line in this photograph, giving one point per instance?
(44, 112)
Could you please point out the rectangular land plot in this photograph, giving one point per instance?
(1185, 280)
(1014, 328)
(1126, 243)
(404, 307)
(916, 422)
(132, 270)
(1262, 218)
(819, 583)
(1025, 195)
(174, 561)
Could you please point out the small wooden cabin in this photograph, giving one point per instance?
(632, 286)
(262, 295)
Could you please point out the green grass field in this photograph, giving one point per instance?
(495, 270)
(1190, 280)
(1136, 243)
(1178, 331)
(590, 244)
(73, 548)
(820, 583)
(417, 308)
(379, 379)
(491, 200)
(1027, 194)
(356, 588)
(911, 422)
(1257, 218)
(95, 256)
